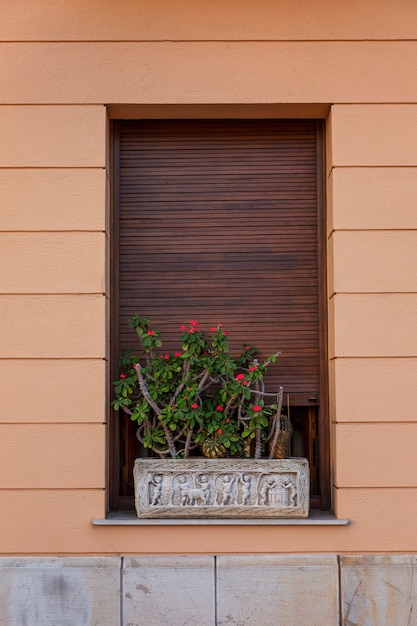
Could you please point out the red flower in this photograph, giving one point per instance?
(240, 376)
(227, 421)
(219, 408)
(177, 353)
(213, 329)
(257, 407)
(122, 375)
(220, 431)
(194, 406)
(225, 333)
(183, 327)
(166, 356)
(246, 347)
(245, 382)
(151, 332)
(253, 368)
(191, 331)
(194, 323)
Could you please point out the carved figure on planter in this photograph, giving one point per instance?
(265, 491)
(288, 484)
(226, 492)
(157, 489)
(191, 495)
(184, 485)
(205, 487)
(246, 482)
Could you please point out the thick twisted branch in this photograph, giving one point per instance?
(145, 392)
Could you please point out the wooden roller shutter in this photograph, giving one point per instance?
(218, 222)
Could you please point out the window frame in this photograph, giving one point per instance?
(117, 502)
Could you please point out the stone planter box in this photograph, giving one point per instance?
(222, 488)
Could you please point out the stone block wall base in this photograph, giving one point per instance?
(292, 590)
(273, 590)
(53, 591)
(379, 590)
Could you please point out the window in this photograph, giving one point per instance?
(222, 220)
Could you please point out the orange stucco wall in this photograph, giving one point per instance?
(67, 67)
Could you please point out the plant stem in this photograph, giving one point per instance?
(258, 449)
(276, 425)
(144, 389)
(188, 443)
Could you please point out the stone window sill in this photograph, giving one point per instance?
(128, 518)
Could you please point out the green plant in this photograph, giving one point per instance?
(199, 396)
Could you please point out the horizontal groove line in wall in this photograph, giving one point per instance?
(260, 41)
(373, 230)
(375, 293)
(59, 553)
(53, 424)
(249, 105)
(392, 423)
(375, 488)
(53, 104)
(54, 358)
(59, 294)
(231, 105)
(374, 167)
(52, 489)
(334, 358)
(53, 232)
(52, 167)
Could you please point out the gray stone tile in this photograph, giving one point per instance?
(279, 590)
(379, 590)
(53, 591)
(172, 591)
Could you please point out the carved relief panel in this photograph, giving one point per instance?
(233, 488)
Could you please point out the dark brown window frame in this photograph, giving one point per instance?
(115, 500)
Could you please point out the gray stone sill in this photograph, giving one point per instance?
(128, 518)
